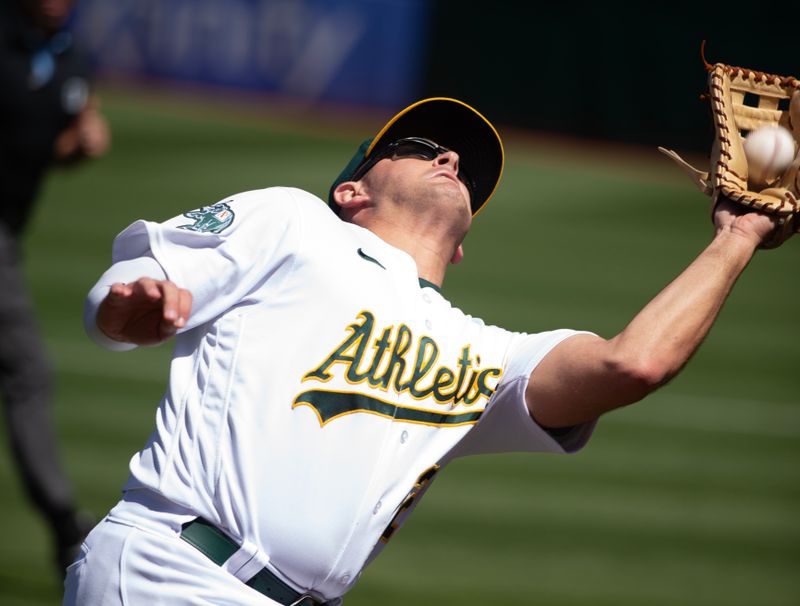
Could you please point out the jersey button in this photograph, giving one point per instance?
(428, 324)
(404, 437)
(377, 508)
(426, 297)
(344, 579)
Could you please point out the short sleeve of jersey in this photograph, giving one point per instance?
(223, 252)
(506, 425)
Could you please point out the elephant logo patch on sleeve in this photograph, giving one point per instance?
(211, 219)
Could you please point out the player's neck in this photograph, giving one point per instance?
(431, 255)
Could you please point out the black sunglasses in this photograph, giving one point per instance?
(412, 147)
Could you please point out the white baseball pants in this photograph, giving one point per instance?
(134, 565)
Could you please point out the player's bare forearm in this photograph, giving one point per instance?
(586, 376)
(667, 331)
(144, 312)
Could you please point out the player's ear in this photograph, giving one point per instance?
(458, 255)
(350, 194)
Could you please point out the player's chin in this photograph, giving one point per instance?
(457, 194)
(457, 205)
(465, 205)
(461, 213)
(446, 199)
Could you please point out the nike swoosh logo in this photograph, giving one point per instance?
(364, 255)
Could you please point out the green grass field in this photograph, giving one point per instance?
(689, 498)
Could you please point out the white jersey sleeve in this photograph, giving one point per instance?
(221, 253)
(506, 425)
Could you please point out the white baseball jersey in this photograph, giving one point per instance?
(319, 384)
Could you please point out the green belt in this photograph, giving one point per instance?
(218, 547)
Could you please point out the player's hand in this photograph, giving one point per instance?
(145, 312)
(734, 218)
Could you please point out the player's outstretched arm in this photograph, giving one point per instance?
(585, 375)
(144, 312)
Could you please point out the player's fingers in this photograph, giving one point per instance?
(119, 290)
(152, 289)
(145, 289)
(184, 307)
(169, 297)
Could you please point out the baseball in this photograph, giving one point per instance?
(769, 150)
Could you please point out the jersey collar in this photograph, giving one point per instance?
(423, 283)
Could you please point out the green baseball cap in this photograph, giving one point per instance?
(451, 124)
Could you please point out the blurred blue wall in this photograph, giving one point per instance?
(364, 52)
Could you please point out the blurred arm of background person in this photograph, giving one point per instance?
(47, 116)
(87, 137)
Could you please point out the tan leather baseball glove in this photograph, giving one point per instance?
(742, 100)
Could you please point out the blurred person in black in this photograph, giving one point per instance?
(47, 116)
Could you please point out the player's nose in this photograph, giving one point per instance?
(448, 158)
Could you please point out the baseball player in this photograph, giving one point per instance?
(320, 380)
